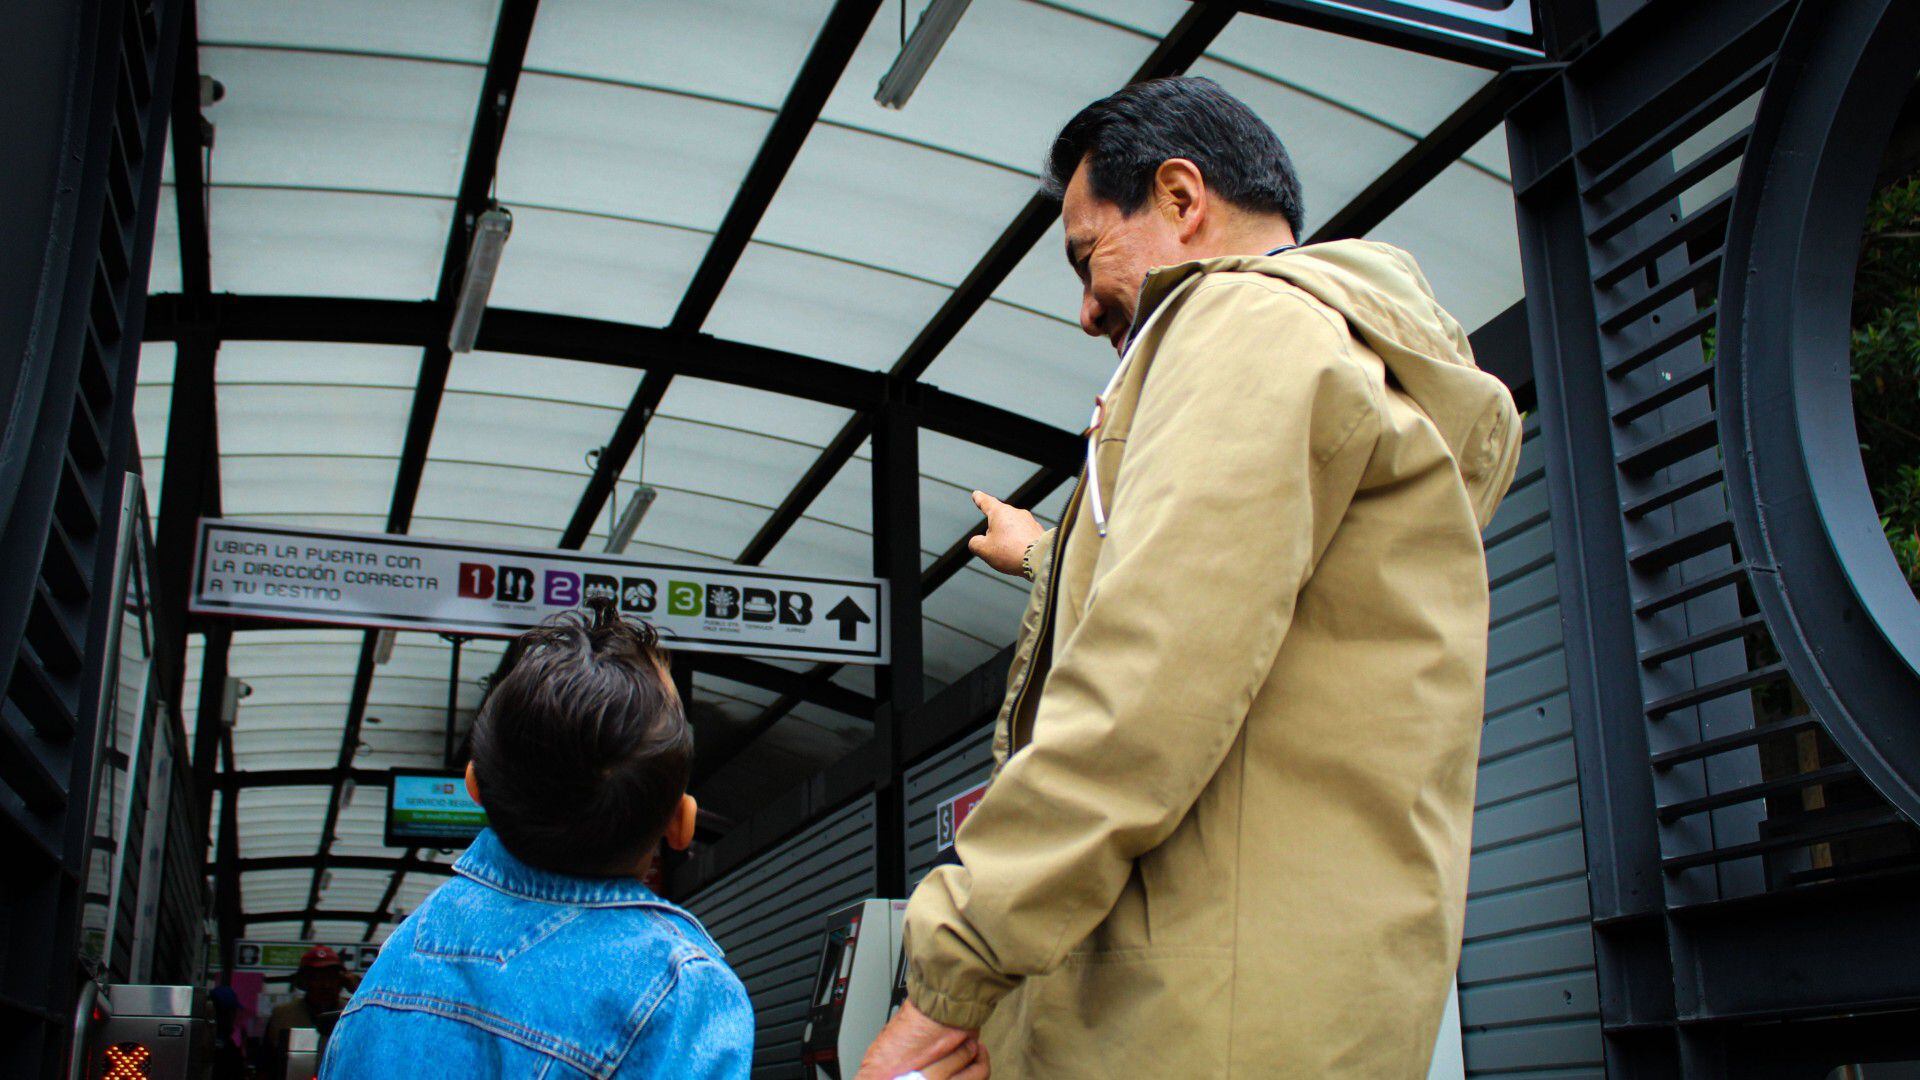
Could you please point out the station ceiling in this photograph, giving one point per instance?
(340, 148)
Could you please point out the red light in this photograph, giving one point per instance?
(127, 1061)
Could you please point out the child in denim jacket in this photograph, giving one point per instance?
(545, 955)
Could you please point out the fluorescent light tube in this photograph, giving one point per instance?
(929, 35)
(629, 522)
(490, 231)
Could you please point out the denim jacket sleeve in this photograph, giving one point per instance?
(703, 1031)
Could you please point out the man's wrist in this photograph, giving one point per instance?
(1026, 560)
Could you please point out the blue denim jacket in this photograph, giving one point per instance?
(507, 970)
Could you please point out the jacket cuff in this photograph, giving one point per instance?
(943, 1009)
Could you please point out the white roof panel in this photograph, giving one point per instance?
(327, 243)
(674, 45)
(367, 123)
(444, 29)
(607, 149)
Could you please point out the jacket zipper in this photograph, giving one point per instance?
(1045, 637)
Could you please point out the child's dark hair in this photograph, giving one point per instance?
(583, 749)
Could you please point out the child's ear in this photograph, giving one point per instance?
(680, 825)
(473, 785)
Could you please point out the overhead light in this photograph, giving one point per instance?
(383, 646)
(347, 787)
(930, 34)
(490, 231)
(629, 522)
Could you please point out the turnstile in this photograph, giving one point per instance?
(853, 990)
(157, 1032)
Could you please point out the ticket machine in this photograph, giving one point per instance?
(853, 991)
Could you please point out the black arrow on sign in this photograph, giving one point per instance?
(848, 615)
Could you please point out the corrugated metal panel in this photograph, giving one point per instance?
(941, 776)
(1529, 1001)
(768, 916)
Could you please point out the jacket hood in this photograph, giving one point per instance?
(1384, 297)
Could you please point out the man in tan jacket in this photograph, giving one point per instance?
(1229, 831)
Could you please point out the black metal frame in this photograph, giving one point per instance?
(1818, 561)
(199, 320)
(1711, 870)
(92, 85)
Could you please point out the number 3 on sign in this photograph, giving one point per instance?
(683, 598)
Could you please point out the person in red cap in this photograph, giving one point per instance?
(321, 977)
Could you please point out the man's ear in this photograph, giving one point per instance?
(1180, 194)
(473, 785)
(680, 825)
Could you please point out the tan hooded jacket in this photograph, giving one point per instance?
(1229, 831)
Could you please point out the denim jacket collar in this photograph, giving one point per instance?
(488, 862)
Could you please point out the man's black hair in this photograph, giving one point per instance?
(583, 749)
(1126, 136)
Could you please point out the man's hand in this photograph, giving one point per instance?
(913, 1040)
(1010, 531)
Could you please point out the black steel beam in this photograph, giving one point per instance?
(1412, 37)
(409, 863)
(266, 778)
(1179, 49)
(341, 862)
(766, 676)
(191, 482)
(532, 333)
(901, 684)
(504, 63)
(207, 730)
(832, 49)
(1470, 122)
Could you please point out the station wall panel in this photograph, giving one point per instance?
(769, 916)
(1529, 1000)
(940, 777)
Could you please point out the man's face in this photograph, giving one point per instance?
(323, 985)
(1112, 253)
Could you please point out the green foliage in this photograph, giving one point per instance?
(1886, 365)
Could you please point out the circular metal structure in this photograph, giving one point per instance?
(1841, 613)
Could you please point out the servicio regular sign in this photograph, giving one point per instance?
(382, 580)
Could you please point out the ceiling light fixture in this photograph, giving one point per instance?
(490, 232)
(629, 522)
(930, 34)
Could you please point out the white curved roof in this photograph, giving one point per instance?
(339, 151)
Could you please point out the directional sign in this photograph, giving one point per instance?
(379, 580)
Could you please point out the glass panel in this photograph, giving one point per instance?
(814, 547)
(362, 825)
(1027, 363)
(1044, 283)
(734, 464)
(816, 306)
(754, 61)
(326, 243)
(163, 275)
(333, 120)
(317, 363)
(1460, 227)
(276, 890)
(772, 415)
(891, 204)
(526, 432)
(608, 149)
(450, 29)
(542, 377)
(1389, 86)
(575, 264)
(980, 603)
(307, 483)
(267, 419)
(1336, 151)
(1001, 87)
